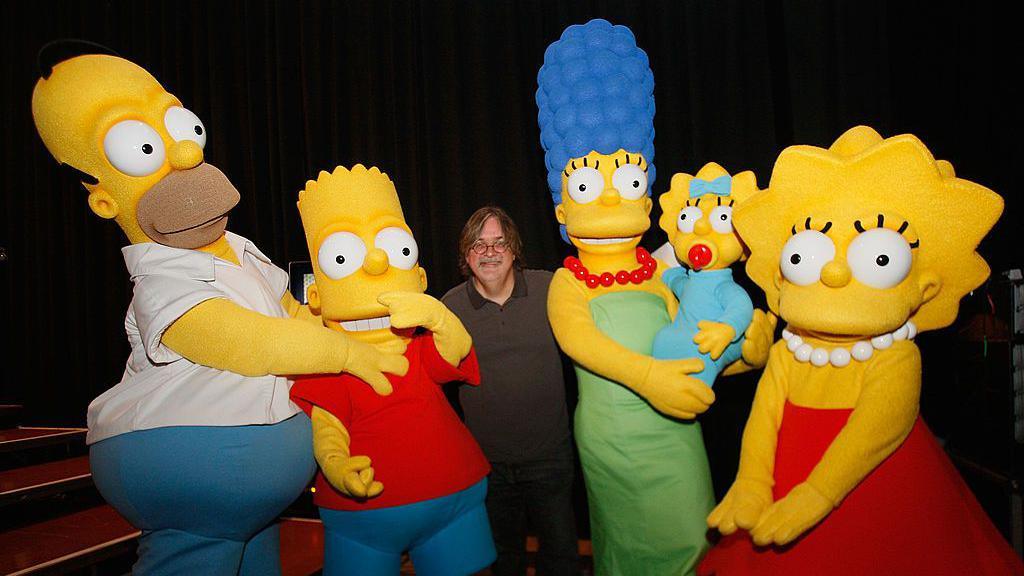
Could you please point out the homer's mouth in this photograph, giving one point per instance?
(367, 324)
(187, 208)
(601, 241)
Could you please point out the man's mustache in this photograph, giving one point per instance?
(490, 260)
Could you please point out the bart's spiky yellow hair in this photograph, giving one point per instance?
(744, 185)
(862, 173)
(346, 194)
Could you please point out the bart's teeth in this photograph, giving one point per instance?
(605, 240)
(379, 323)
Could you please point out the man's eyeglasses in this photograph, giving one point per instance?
(480, 247)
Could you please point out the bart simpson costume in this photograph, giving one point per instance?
(858, 247)
(198, 445)
(400, 473)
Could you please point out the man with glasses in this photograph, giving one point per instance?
(518, 415)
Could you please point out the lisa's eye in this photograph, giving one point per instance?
(688, 218)
(400, 247)
(804, 255)
(585, 185)
(879, 258)
(721, 219)
(341, 254)
(182, 124)
(134, 148)
(630, 180)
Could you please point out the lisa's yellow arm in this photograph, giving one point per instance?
(352, 475)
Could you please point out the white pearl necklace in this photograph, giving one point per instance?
(839, 357)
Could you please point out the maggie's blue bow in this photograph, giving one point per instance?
(720, 186)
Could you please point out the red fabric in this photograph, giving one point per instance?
(417, 445)
(912, 515)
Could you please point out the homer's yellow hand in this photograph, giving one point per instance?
(352, 475)
(672, 392)
(759, 337)
(742, 506)
(713, 337)
(787, 519)
(411, 309)
(368, 363)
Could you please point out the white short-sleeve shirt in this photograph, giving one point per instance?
(159, 387)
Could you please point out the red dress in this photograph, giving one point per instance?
(912, 515)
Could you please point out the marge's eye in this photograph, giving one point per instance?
(804, 255)
(688, 218)
(879, 258)
(631, 181)
(585, 185)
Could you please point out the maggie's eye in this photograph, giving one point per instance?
(721, 219)
(879, 258)
(804, 255)
(631, 181)
(688, 218)
(341, 254)
(585, 185)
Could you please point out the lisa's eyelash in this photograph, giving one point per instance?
(807, 226)
(857, 225)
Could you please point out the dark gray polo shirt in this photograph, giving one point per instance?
(518, 412)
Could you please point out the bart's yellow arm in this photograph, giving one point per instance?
(883, 416)
(352, 475)
(663, 383)
(412, 309)
(223, 335)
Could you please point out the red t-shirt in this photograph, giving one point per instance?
(418, 447)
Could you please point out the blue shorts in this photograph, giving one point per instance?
(447, 536)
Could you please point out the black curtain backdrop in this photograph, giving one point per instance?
(440, 95)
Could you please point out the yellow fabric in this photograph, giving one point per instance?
(351, 475)
(411, 309)
(713, 337)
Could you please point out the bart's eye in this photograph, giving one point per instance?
(804, 255)
(688, 218)
(182, 124)
(341, 254)
(585, 185)
(879, 258)
(134, 148)
(400, 247)
(631, 181)
(721, 219)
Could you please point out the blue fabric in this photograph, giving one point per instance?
(721, 186)
(447, 536)
(706, 295)
(206, 497)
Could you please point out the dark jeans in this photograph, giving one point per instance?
(540, 491)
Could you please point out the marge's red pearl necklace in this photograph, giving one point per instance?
(637, 276)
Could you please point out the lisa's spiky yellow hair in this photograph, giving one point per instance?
(862, 173)
(744, 185)
(355, 194)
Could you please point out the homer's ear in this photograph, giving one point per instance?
(103, 204)
(313, 297)
(423, 278)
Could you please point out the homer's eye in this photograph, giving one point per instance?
(804, 255)
(134, 148)
(585, 185)
(341, 254)
(721, 219)
(182, 124)
(400, 247)
(879, 258)
(630, 180)
(688, 218)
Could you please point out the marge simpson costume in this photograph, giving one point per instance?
(198, 445)
(596, 111)
(397, 473)
(857, 248)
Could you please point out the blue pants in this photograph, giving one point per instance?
(206, 497)
(447, 536)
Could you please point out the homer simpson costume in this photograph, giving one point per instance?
(596, 110)
(198, 445)
(858, 248)
(399, 472)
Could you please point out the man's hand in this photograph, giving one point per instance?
(713, 337)
(367, 363)
(352, 476)
(787, 519)
(411, 309)
(759, 337)
(741, 508)
(672, 392)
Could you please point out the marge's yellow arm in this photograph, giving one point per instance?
(223, 335)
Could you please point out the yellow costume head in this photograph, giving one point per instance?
(857, 239)
(360, 246)
(604, 205)
(138, 152)
(697, 216)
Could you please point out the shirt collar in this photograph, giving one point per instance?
(518, 290)
(150, 258)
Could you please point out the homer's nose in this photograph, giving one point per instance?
(376, 262)
(185, 155)
(702, 227)
(610, 197)
(835, 274)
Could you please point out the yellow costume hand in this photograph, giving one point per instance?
(742, 506)
(672, 392)
(790, 517)
(368, 362)
(412, 309)
(352, 476)
(759, 337)
(713, 337)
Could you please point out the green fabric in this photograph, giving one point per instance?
(647, 475)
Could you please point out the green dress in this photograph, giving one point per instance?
(647, 475)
